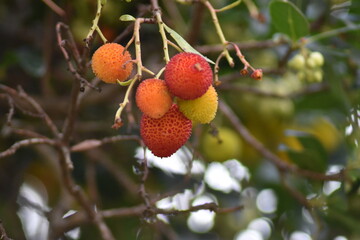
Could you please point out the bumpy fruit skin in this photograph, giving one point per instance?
(188, 75)
(153, 98)
(202, 109)
(229, 146)
(165, 135)
(111, 63)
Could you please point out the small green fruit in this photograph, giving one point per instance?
(297, 62)
(317, 58)
(226, 145)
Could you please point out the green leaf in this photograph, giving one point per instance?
(127, 18)
(288, 19)
(184, 44)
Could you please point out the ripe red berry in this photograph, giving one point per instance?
(165, 135)
(110, 63)
(153, 98)
(188, 75)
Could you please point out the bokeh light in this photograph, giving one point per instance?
(266, 201)
(261, 225)
(216, 171)
(175, 164)
(298, 235)
(248, 234)
(201, 221)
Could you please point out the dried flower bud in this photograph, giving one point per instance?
(257, 74)
(244, 72)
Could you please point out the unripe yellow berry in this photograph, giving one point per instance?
(202, 109)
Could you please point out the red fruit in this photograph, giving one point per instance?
(110, 63)
(165, 135)
(153, 98)
(188, 75)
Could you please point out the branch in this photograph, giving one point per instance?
(80, 218)
(40, 111)
(23, 143)
(267, 154)
(206, 49)
(93, 143)
(77, 192)
(53, 6)
(62, 44)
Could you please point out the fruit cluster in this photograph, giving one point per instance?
(308, 66)
(171, 106)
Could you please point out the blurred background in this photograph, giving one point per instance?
(305, 111)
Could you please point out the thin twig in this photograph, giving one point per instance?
(24, 143)
(62, 43)
(206, 49)
(58, 10)
(77, 192)
(39, 110)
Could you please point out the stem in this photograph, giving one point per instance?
(95, 22)
(219, 31)
(331, 33)
(157, 13)
(103, 38)
(242, 57)
(159, 73)
(139, 68)
(231, 5)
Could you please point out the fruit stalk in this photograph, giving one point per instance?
(157, 13)
(219, 32)
(94, 27)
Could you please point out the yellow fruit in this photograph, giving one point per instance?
(226, 145)
(325, 132)
(202, 109)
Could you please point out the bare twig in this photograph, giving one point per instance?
(58, 10)
(77, 192)
(23, 143)
(39, 110)
(62, 43)
(206, 49)
(80, 218)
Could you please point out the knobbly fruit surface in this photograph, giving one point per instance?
(110, 63)
(202, 109)
(165, 135)
(153, 98)
(225, 146)
(188, 75)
